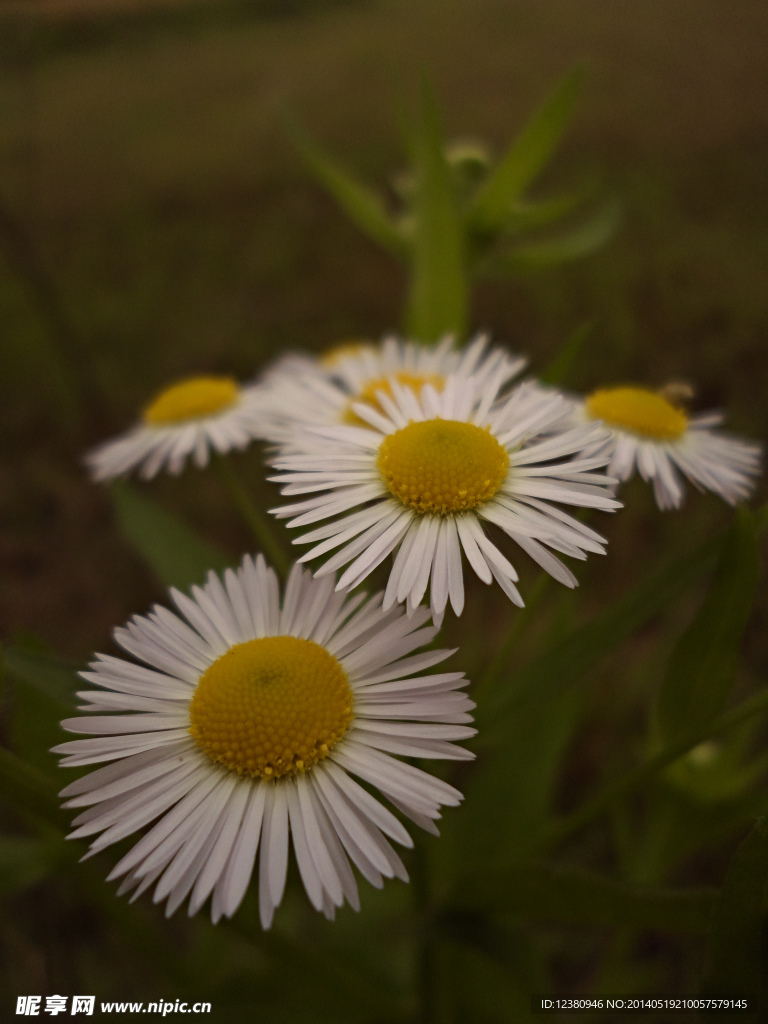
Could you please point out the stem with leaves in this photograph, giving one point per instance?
(258, 523)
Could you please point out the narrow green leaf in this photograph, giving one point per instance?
(529, 216)
(556, 669)
(528, 154)
(23, 862)
(176, 555)
(703, 663)
(619, 787)
(522, 779)
(26, 788)
(737, 952)
(52, 676)
(360, 203)
(438, 299)
(546, 893)
(571, 245)
(558, 369)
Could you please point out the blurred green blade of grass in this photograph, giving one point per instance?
(703, 663)
(546, 677)
(54, 677)
(558, 369)
(508, 798)
(438, 301)
(524, 727)
(360, 203)
(737, 957)
(528, 154)
(543, 893)
(574, 244)
(620, 787)
(23, 863)
(174, 553)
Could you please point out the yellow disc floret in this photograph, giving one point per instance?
(271, 707)
(345, 350)
(191, 399)
(415, 381)
(643, 412)
(442, 466)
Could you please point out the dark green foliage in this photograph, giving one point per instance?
(170, 548)
(702, 666)
(738, 953)
(496, 199)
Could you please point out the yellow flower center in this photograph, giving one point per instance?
(415, 381)
(643, 412)
(442, 466)
(191, 399)
(271, 707)
(344, 350)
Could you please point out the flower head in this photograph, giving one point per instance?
(652, 431)
(244, 726)
(428, 469)
(298, 393)
(186, 419)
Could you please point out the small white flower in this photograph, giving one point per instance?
(246, 729)
(429, 469)
(652, 434)
(187, 419)
(299, 392)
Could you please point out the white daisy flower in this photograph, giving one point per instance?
(298, 393)
(428, 470)
(245, 731)
(651, 432)
(186, 419)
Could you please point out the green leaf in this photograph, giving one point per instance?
(528, 216)
(28, 789)
(360, 203)
(521, 779)
(545, 893)
(176, 555)
(438, 299)
(571, 245)
(494, 203)
(545, 678)
(737, 949)
(558, 369)
(23, 862)
(703, 663)
(560, 666)
(44, 694)
(52, 676)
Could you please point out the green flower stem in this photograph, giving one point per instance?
(425, 936)
(28, 792)
(604, 800)
(258, 523)
(519, 624)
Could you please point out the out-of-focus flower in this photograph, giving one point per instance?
(299, 393)
(189, 418)
(652, 432)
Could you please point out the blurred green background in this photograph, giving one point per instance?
(155, 221)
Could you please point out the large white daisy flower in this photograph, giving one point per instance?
(298, 392)
(187, 419)
(428, 470)
(246, 729)
(650, 432)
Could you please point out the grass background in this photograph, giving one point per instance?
(146, 180)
